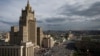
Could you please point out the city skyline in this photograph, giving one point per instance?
(27, 35)
(54, 15)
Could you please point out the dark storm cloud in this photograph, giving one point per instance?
(55, 20)
(39, 21)
(53, 25)
(91, 11)
(9, 23)
(57, 15)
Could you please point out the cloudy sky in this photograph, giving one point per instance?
(54, 14)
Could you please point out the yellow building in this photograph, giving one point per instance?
(48, 41)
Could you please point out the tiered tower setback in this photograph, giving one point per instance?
(27, 25)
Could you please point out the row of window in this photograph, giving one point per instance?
(9, 52)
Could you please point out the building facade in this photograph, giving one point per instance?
(40, 36)
(11, 50)
(27, 29)
(14, 35)
(23, 39)
(27, 25)
(26, 49)
(48, 42)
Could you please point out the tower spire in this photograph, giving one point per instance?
(28, 7)
(28, 4)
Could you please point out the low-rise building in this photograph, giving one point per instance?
(48, 41)
(71, 36)
(26, 49)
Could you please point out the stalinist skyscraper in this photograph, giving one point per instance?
(27, 25)
(23, 39)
